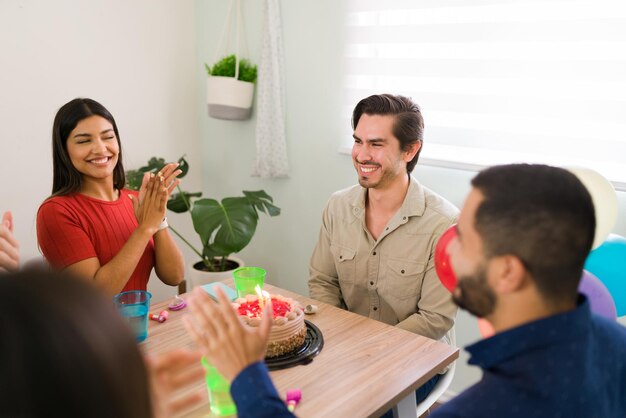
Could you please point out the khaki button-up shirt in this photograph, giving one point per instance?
(391, 279)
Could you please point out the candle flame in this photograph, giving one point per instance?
(261, 296)
(257, 289)
(267, 299)
(264, 297)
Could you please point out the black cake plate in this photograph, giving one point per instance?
(313, 344)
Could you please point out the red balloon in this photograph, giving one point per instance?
(442, 259)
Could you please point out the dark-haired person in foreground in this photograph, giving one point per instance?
(375, 252)
(523, 236)
(65, 352)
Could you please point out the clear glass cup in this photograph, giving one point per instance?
(134, 306)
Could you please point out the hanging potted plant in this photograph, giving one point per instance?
(230, 88)
(224, 228)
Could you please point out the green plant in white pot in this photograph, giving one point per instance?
(230, 88)
(224, 228)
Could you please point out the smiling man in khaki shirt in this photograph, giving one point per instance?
(375, 253)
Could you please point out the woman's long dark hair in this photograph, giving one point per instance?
(66, 352)
(66, 179)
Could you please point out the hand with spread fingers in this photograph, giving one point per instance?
(9, 247)
(226, 343)
(170, 374)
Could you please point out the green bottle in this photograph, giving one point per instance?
(219, 392)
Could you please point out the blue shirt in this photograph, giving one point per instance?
(255, 394)
(571, 364)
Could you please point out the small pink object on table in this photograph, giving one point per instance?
(177, 304)
(293, 398)
(161, 316)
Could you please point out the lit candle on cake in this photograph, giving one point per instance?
(267, 298)
(264, 297)
(257, 289)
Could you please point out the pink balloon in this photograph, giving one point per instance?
(600, 299)
(485, 328)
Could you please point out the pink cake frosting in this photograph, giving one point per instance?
(288, 331)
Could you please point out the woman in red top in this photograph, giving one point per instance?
(93, 226)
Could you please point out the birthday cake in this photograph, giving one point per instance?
(288, 331)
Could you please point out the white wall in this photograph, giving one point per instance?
(313, 37)
(135, 57)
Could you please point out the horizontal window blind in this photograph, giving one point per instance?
(499, 81)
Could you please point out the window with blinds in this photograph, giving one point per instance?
(499, 81)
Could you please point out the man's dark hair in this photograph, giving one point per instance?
(543, 215)
(408, 125)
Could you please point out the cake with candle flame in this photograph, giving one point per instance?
(288, 331)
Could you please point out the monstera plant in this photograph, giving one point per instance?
(224, 227)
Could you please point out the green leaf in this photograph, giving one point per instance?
(177, 201)
(133, 179)
(262, 202)
(183, 166)
(225, 227)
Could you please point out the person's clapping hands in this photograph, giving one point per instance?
(9, 247)
(155, 190)
(151, 204)
(226, 343)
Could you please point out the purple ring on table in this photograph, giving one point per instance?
(178, 304)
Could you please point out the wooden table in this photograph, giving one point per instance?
(365, 368)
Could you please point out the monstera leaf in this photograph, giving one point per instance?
(262, 201)
(225, 227)
(180, 202)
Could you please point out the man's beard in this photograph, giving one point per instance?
(473, 294)
(387, 176)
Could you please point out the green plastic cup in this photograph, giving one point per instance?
(219, 392)
(246, 280)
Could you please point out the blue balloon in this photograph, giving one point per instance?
(608, 263)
